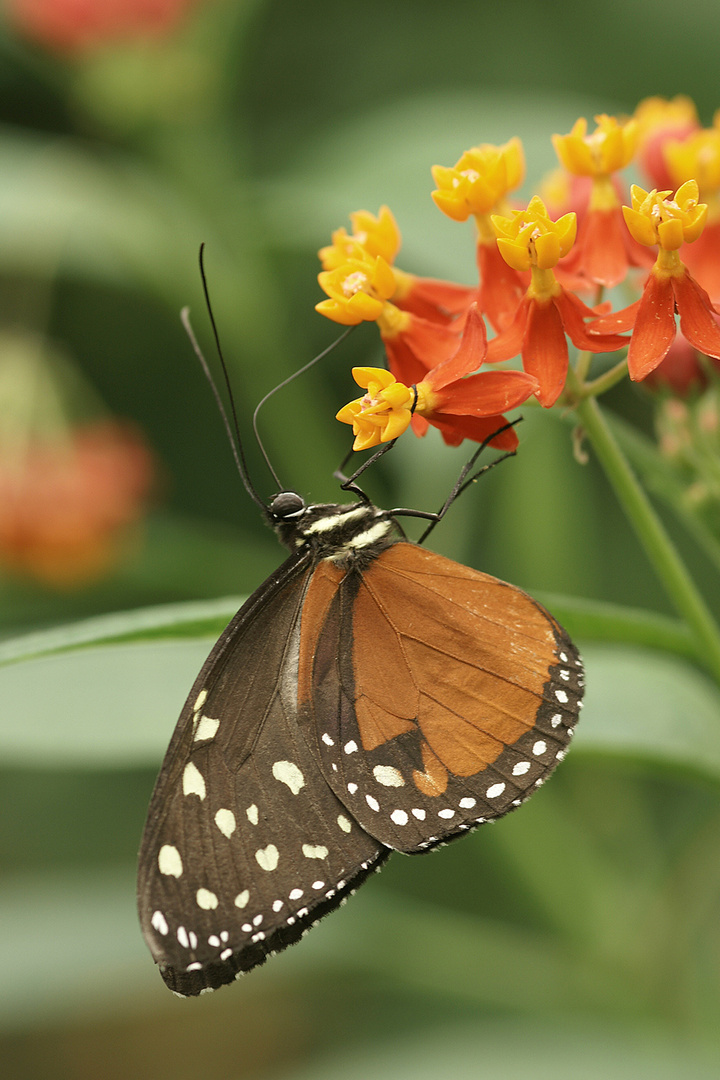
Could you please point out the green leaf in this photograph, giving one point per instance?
(102, 214)
(650, 705)
(598, 620)
(115, 705)
(197, 618)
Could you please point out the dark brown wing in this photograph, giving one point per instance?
(245, 845)
(437, 697)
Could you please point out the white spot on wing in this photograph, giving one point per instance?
(388, 776)
(242, 898)
(182, 937)
(295, 894)
(344, 824)
(314, 851)
(288, 773)
(193, 781)
(495, 790)
(206, 899)
(561, 696)
(520, 768)
(350, 747)
(252, 814)
(372, 803)
(467, 804)
(225, 821)
(169, 861)
(200, 701)
(399, 817)
(267, 858)
(159, 922)
(206, 728)
(539, 748)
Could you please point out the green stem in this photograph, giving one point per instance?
(605, 382)
(649, 529)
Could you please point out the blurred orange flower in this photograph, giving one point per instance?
(76, 25)
(65, 504)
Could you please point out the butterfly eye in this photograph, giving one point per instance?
(286, 505)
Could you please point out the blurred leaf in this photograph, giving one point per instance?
(650, 705)
(596, 620)
(516, 1050)
(96, 212)
(114, 705)
(198, 618)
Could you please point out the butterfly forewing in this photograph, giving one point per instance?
(456, 696)
(246, 845)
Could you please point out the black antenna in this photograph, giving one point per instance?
(228, 386)
(282, 385)
(233, 436)
(233, 429)
(463, 482)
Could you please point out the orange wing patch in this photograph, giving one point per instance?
(433, 781)
(458, 652)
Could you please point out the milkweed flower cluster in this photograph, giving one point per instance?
(543, 267)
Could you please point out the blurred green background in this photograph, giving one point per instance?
(578, 938)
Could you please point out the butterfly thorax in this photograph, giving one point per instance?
(349, 535)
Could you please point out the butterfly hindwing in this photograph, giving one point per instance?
(456, 696)
(246, 845)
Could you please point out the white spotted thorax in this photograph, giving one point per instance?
(291, 776)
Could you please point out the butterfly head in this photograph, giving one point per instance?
(346, 534)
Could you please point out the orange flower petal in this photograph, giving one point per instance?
(545, 351)
(478, 428)
(617, 323)
(421, 346)
(574, 313)
(487, 393)
(654, 327)
(602, 253)
(501, 287)
(469, 356)
(509, 342)
(431, 298)
(703, 260)
(696, 315)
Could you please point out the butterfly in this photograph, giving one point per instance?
(371, 696)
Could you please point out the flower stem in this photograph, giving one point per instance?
(659, 548)
(606, 381)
